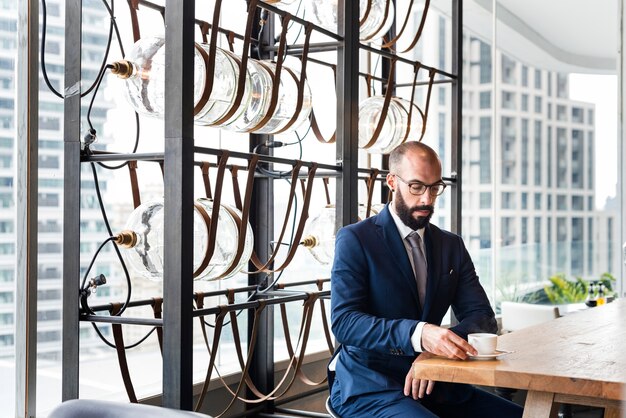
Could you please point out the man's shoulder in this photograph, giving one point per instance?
(443, 234)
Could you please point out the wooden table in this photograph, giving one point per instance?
(579, 359)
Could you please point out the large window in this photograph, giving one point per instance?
(565, 221)
(540, 177)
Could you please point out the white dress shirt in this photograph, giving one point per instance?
(416, 337)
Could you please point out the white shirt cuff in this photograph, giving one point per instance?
(416, 338)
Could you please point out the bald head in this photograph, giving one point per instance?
(418, 152)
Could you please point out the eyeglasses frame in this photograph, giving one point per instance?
(428, 187)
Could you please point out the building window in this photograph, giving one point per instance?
(561, 113)
(524, 76)
(524, 102)
(538, 79)
(578, 203)
(49, 161)
(537, 104)
(7, 249)
(485, 232)
(538, 201)
(49, 123)
(508, 70)
(485, 63)
(485, 200)
(561, 202)
(561, 152)
(524, 200)
(578, 115)
(524, 153)
(561, 85)
(537, 154)
(485, 99)
(49, 199)
(6, 226)
(508, 100)
(537, 229)
(508, 231)
(508, 200)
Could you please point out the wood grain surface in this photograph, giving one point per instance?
(581, 354)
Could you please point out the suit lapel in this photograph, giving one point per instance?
(432, 237)
(389, 234)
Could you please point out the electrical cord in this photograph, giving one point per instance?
(91, 134)
(44, 27)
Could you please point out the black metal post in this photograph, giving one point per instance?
(262, 222)
(385, 73)
(179, 152)
(455, 114)
(347, 112)
(71, 199)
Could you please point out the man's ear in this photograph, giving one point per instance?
(391, 182)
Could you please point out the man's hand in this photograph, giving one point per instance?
(445, 343)
(417, 388)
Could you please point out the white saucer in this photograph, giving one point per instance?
(489, 356)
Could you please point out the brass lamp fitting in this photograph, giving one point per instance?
(123, 68)
(309, 242)
(126, 239)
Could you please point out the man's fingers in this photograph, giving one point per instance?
(408, 382)
(431, 385)
(422, 388)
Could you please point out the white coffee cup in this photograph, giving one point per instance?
(483, 342)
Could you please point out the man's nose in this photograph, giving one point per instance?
(426, 198)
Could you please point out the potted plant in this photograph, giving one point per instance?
(570, 295)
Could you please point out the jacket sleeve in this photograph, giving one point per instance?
(353, 324)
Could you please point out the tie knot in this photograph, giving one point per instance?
(414, 239)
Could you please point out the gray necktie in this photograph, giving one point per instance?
(420, 267)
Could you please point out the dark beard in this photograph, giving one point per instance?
(406, 214)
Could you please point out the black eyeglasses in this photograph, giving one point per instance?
(417, 188)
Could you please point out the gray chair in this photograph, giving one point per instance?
(330, 409)
(89, 408)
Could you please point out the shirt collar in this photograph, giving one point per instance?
(402, 228)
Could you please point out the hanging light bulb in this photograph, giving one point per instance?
(144, 241)
(324, 14)
(144, 73)
(226, 243)
(395, 126)
(319, 233)
(262, 75)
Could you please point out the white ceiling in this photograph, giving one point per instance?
(563, 35)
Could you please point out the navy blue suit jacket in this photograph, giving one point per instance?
(375, 306)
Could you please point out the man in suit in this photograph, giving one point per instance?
(393, 279)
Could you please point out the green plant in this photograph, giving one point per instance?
(561, 291)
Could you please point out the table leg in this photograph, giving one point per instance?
(613, 413)
(540, 405)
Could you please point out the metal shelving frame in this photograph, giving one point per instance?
(179, 164)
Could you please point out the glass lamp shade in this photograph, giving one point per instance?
(224, 90)
(145, 257)
(226, 241)
(324, 13)
(395, 125)
(144, 254)
(319, 233)
(144, 73)
(262, 75)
